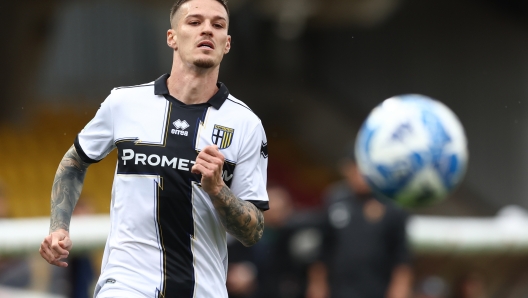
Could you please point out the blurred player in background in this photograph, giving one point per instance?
(281, 273)
(176, 191)
(365, 252)
(259, 270)
(14, 271)
(276, 266)
(470, 285)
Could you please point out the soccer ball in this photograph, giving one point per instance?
(412, 149)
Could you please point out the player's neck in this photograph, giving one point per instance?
(192, 85)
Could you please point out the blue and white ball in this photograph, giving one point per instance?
(412, 149)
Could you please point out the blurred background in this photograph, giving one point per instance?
(312, 70)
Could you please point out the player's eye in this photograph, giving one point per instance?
(219, 26)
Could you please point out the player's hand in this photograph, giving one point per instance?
(55, 247)
(209, 164)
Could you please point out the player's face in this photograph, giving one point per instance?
(199, 33)
(355, 179)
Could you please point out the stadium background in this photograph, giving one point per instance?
(311, 69)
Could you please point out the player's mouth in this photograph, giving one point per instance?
(206, 44)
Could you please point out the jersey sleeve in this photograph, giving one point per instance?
(250, 174)
(96, 140)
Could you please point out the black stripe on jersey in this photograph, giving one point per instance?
(262, 205)
(134, 86)
(175, 221)
(240, 104)
(168, 107)
(130, 139)
(81, 153)
(158, 237)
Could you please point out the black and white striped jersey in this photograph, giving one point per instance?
(166, 239)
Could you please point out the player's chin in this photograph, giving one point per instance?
(204, 63)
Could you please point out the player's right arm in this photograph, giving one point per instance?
(92, 144)
(65, 193)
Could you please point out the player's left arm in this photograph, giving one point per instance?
(401, 282)
(400, 285)
(241, 219)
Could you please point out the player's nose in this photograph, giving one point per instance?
(207, 28)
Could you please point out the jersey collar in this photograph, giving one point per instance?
(160, 88)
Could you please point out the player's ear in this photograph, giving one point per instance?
(171, 39)
(228, 45)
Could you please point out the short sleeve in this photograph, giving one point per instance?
(250, 174)
(96, 140)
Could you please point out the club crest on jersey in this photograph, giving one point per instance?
(222, 136)
(181, 127)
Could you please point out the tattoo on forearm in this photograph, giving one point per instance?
(66, 189)
(241, 219)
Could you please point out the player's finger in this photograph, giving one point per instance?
(45, 250)
(46, 253)
(210, 162)
(213, 167)
(59, 263)
(203, 158)
(200, 169)
(66, 244)
(209, 158)
(52, 256)
(195, 170)
(56, 249)
(214, 151)
(211, 148)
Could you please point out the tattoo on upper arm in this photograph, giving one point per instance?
(66, 189)
(241, 219)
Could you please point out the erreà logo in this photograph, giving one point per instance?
(181, 127)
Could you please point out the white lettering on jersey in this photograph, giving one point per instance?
(181, 127)
(152, 157)
(183, 164)
(127, 155)
(156, 160)
(179, 132)
(166, 161)
(140, 157)
(225, 177)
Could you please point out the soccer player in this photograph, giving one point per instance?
(365, 251)
(192, 163)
